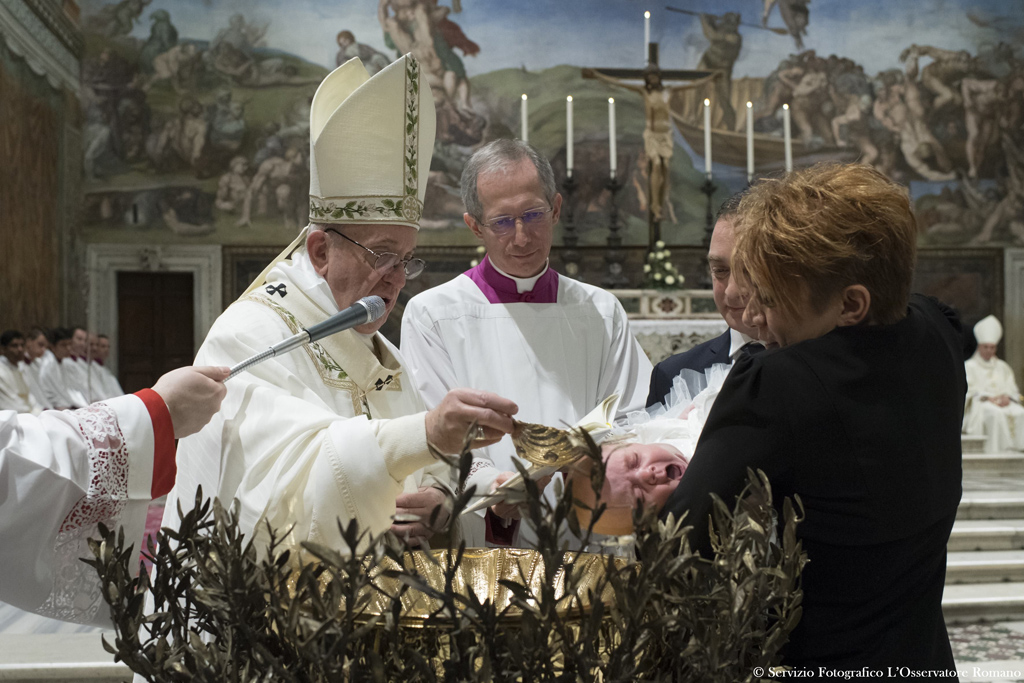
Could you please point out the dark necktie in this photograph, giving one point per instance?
(751, 349)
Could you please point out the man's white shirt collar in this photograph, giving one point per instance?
(737, 340)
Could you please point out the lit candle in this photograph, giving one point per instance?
(647, 35)
(707, 136)
(522, 121)
(611, 134)
(750, 142)
(568, 136)
(787, 134)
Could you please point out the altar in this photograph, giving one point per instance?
(667, 322)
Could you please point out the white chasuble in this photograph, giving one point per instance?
(1003, 425)
(63, 473)
(323, 433)
(556, 361)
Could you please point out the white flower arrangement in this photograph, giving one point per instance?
(659, 272)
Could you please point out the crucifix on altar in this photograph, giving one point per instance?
(658, 130)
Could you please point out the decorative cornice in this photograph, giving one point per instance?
(31, 38)
(60, 24)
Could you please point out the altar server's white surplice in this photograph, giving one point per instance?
(14, 390)
(557, 350)
(62, 473)
(53, 381)
(1004, 426)
(325, 432)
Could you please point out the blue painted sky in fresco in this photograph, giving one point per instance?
(543, 33)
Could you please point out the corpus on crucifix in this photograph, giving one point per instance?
(658, 129)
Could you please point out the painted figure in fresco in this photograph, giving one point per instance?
(418, 27)
(162, 37)
(657, 133)
(280, 179)
(117, 19)
(239, 34)
(348, 48)
(794, 14)
(943, 76)
(726, 42)
(183, 137)
(1009, 212)
(233, 186)
(176, 65)
(187, 212)
(808, 83)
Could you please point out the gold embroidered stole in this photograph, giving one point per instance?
(342, 360)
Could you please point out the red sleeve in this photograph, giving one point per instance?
(164, 447)
(496, 531)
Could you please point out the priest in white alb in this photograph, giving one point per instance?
(512, 325)
(65, 472)
(993, 399)
(14, 389)
(336, 430)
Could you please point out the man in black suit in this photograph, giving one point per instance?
(739, 338)
(855, 407)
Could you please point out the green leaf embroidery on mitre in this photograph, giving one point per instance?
(412, 118)
(408, 208)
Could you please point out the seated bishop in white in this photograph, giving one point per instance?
(336, 430)
(65, 472)
(993, 400)
(514, 326)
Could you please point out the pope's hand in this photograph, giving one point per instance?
(420, 504)
(449, 422)
(192, 396)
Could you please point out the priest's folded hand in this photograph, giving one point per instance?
(192, 396)
(420, 505)
(450, 421)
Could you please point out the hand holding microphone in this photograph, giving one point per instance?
(366, 310)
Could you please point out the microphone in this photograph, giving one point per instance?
(366, 310)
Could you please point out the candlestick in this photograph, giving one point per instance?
(707, 137)
(647, 34)
(523, 129)
(787, 137)
(568, 136)
(611, 135)
(750, 142)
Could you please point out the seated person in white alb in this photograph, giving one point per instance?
(993, 399)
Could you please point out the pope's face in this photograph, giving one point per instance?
(523, 251)
(348, 268)
(986, 351)
(649, 472)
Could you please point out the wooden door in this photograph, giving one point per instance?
(155, 326)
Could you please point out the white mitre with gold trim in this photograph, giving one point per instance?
(988, 330)
(370, 143)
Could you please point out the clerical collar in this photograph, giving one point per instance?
(737, 340)
(502, 288)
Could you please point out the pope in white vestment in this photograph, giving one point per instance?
(512, 325)
(335, 430)
(993, 398)
(65, 472)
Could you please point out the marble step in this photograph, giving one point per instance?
(988, 566)
(971, 602)
(58, 658)
(986, 534)
(1009, 463)
(991, 505)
